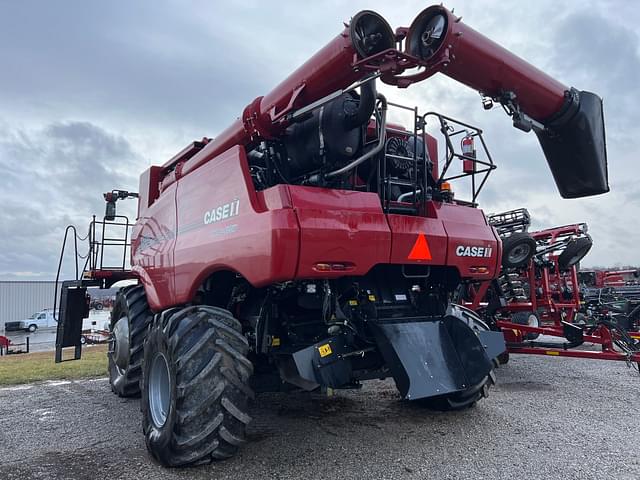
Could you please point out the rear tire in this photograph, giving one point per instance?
(469, 397)
(503, 358)
(461, 400)
(195, 386)
(130, 320)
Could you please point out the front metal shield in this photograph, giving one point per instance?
(432, 356)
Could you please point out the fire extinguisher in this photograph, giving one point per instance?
(468, 150)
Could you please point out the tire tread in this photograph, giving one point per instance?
(209, 355)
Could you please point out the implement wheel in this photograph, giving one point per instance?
(530, 319)
(195, 386)
(517, 250)
(575, 251)
(130, 320)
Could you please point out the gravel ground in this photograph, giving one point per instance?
(546, 418)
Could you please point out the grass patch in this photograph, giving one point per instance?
(38, 366)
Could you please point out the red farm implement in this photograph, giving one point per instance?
(538, 293)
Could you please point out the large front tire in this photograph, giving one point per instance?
(130, 320)
(195, 386)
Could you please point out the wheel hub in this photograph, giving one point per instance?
(159, 390)
(121, 343)
(519, 253)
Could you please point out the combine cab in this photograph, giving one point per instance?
(313, 244)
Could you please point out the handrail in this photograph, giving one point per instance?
(94, 258)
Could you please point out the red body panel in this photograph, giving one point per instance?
(342, 227)
(200, 213)
(406, 230)
(153, 241)
(282, 233)
(260, 245)
(467, 226)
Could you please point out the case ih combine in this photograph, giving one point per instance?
(313, 244)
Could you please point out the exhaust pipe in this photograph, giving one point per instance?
(569, 123)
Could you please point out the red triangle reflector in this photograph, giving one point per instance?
(420, 250)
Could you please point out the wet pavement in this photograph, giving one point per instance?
(546, 418)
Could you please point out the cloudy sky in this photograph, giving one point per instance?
(93, 92)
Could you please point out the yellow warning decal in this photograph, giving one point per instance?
(275, 341)
(552, 352)
(372, 298)
(353, 303)
(325, 350)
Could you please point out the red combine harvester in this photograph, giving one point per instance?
(312, 244)
(538, 292)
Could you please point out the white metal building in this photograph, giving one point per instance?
(18, 300)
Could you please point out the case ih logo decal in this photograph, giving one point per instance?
(462, 251)
(222, 212)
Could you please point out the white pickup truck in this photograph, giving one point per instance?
(42, 319)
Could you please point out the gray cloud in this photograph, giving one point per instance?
(57, 176)
(588, 39)
(138, 60)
